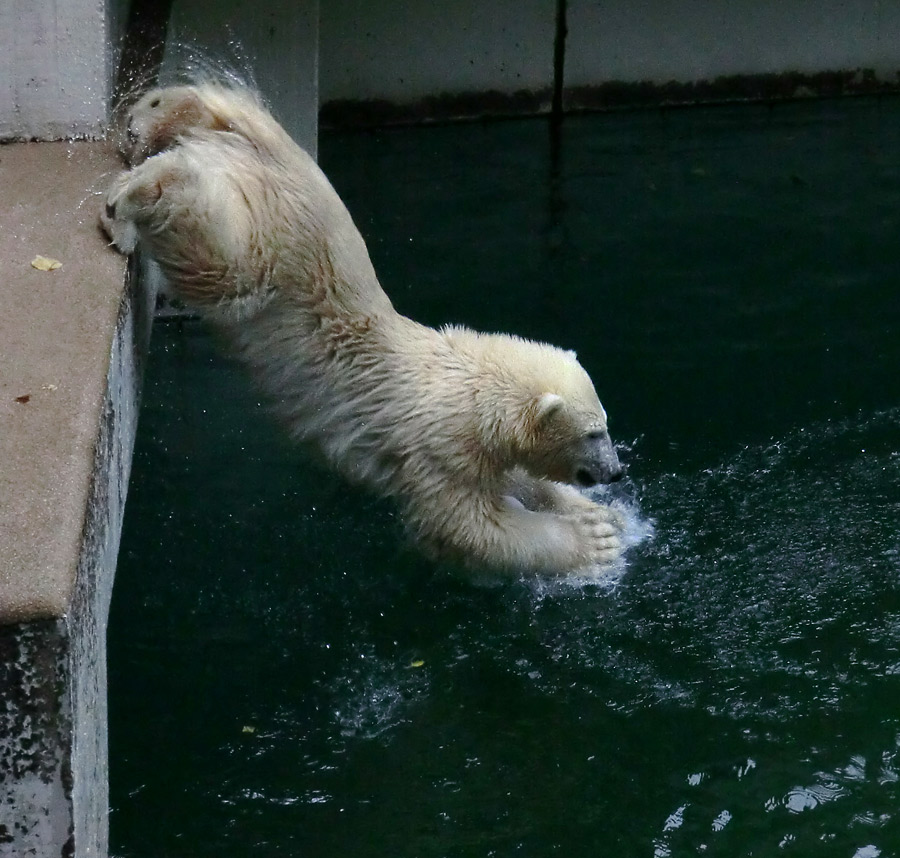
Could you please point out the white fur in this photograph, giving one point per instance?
(474, 435)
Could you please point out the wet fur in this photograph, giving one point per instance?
(477, 436)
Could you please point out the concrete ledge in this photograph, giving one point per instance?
(72, 343)
(56, 336)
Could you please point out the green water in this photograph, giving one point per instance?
(729, 279)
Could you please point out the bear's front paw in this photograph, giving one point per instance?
(600, 531)
(121, 232)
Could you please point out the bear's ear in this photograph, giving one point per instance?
(548, 404)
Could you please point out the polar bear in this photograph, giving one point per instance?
(481, 439)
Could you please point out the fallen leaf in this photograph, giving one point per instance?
(248, 729)
(417, 663)
(23, 399)
(45, 263)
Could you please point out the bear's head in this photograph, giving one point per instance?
(567, 439)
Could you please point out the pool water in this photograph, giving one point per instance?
(288, 679)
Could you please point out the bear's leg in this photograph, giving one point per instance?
(541, 541)
(542, 495)
(188, 209)
(193, 222)
(136, 199)
(503, 534)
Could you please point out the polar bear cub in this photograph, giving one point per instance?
(481, 439)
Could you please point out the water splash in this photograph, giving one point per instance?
(374, 695)
(638, 530)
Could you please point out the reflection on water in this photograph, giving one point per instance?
(288, 679)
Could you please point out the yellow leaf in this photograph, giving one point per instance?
(45, 263)
(417, 663)
(248, 729)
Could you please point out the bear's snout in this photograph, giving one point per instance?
(589, 477)
(617, 474)
(599, 464)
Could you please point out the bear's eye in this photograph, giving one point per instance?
(155, 102)
(596, 435)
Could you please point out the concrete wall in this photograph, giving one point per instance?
(57, 61)
(57, 57)
(409, 49)
(424, 56)
(660, 41)
(276, 40)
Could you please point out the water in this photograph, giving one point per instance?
(287, 679)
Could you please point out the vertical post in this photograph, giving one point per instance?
(559, 62)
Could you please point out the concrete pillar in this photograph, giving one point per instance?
(57, 63)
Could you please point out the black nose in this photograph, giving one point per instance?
(615, 476)
(587, 479)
